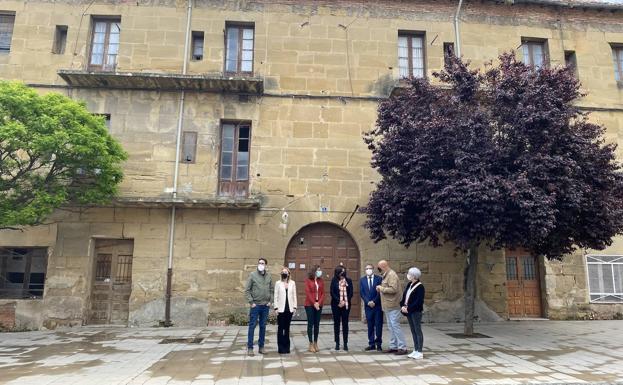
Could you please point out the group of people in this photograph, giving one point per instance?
(382, 294)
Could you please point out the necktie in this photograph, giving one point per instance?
(370, 283)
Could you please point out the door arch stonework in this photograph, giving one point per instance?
(327, 245)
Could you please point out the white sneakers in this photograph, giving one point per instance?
(416, 355)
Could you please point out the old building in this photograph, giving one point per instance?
(243, 123)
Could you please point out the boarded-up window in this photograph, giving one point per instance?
(617, 57)
(7, 20)
(239, 48)
(22, 272)
(411, 55)
(234, 162)
(605, 278)
(60, 40)
(104, 44)
(197, 46)
(189, 147)
(534, 52)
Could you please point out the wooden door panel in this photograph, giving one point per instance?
(523, 284)
(112, 283)
(325, 245)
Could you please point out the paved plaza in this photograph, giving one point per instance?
(516, 353)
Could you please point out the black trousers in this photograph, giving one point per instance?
(313, 323)
(283, 330)
(340, 316)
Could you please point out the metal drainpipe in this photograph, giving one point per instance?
(457, 33)
(180, 121)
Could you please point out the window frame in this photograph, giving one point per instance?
(240, 26)
(193, 158)
(233, 181)
(8, 14)
(27, 288)
(194, 36)
(617, 260)
(448, 48)
(571, 60)
(104, 67)
(410, 35)
(531, 42)
(617, 57)
(59, 46)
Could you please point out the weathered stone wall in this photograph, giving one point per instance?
(324, 66)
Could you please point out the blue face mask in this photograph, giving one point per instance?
(318, 273)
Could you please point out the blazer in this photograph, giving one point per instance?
(416, 299)
(368, 295)
(335, 291)
(280, 296)
(310, 292)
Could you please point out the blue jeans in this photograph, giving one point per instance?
(374, 318)
(260, 311)
(397, 337)
(415, 323)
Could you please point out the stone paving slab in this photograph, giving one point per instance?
(544, 352)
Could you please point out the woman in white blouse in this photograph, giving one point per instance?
(285, 306)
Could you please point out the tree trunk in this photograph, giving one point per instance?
(470, 289)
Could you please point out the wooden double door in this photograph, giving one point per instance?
(328, 246)
(523, 284)
(112, 282)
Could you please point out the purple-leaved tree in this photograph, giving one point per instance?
(501, 158)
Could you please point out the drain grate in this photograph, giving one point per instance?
(463, 336)
(190, 340)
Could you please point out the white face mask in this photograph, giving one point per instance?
(409, 277)
(261, 267)
(369, 272)
(318, 273)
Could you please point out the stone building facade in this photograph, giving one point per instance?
(268, 101)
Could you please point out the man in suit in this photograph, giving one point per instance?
(372, 301)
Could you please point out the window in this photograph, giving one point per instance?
(411, 55)
(7, 20)
(534, 52)
(22, 272)
(189, 147)
(106, 118)
(60, 40)
(617, 57)
(104, 44)
(234, 163)
(239, 49)
(571, 61)
(197, 46)
(448, 51)
(605, 278)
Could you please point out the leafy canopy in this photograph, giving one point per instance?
(53, 151)
(501, 157)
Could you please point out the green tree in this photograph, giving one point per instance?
(53, 152)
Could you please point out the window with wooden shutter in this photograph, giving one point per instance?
(234, 159)
(104, 44)
(411, 55)
(239, 48)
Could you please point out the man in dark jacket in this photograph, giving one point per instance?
(372, 302)
(259, 294)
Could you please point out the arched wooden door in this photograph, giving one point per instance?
(328, 246)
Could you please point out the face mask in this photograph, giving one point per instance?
(261, 267)
(284, 275)
(369, 272)
(409, 277)
(318, 273)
